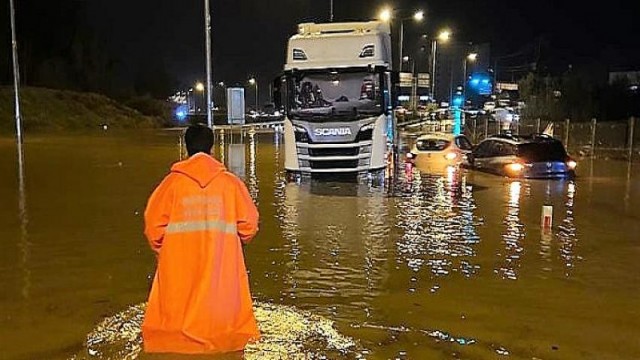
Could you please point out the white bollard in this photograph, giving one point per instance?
(547, 217)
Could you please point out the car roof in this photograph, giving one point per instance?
(438, 136)
(523, 139)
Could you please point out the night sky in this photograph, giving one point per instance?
(249, 36)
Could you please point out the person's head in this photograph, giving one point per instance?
(198, 138)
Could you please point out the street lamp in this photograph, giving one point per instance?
(200, 88)
(386, 15)
(254, 82)
(414, 82)
(470, 57)
(444, 36)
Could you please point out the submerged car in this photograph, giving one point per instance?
(534, 156)
(436, 151)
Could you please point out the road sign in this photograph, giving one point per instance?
(423, 80)
(406, 79)
(235, 106)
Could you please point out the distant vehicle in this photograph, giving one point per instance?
(437, 151)
(505, 116)
(504, 102)
(489, 105)
(534, 156)
(471, 111)
(400, 110)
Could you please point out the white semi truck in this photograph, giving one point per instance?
(336, 93)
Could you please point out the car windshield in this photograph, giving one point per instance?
(432, 144)
(335, 96)
(463, 143)
(542, 151)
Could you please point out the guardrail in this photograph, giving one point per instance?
(258, 125)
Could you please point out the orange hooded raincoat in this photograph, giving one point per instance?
(195, 221)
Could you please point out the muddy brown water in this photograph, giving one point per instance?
(451, 265)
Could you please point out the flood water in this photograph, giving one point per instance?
(451, 265)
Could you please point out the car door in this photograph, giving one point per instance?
(493, 159)
(479, 155)
(502, 153)
(465, 147)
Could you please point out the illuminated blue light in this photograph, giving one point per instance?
(181, 113)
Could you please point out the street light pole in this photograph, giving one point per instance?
(434, 46)
(443, 36)
(330, 10)
(401, 41)
(469, 57)
(386, 15)
(254, 81)
(207, 19)
(16, 80)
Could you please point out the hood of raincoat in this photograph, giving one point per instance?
(201, 168)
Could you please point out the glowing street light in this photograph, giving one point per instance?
(385, 15)
(254, 82)
(472, 56)
(199, 87)
(444, 35)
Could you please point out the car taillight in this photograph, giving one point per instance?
(515, 168)
(571, 164)
(451, 156)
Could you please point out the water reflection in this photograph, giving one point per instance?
(252, 181)
(23, 244)
(513, 236)
(567, 235)
(439, 225)
(338, 231)
(236, 161)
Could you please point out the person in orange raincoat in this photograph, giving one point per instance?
(196, 221)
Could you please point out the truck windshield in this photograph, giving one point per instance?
(335, 96)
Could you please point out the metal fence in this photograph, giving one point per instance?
(607, 139)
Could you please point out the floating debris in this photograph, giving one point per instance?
(502, 351)
(287, 333)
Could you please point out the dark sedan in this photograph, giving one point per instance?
(534, 156)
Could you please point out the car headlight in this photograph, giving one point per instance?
(451, 156)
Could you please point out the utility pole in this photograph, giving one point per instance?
(433, 69)
(16, 80)
(330, 10)
(207, 20)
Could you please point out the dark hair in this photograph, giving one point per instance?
(198, 138)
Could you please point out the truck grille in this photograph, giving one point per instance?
(352, 151)
(334, 164)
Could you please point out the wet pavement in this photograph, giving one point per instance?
(449, 265)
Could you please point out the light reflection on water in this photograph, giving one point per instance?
(345, 245)
(513, 236)
(439, 225)
(567, 234)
